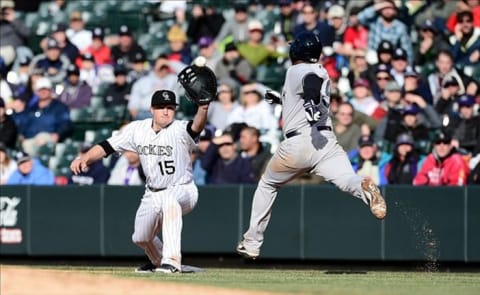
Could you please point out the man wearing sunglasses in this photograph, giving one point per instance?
(223, 163)
(443, 166)
(466, 49)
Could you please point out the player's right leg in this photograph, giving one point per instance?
(175, 202)
(280, 169)
(335, 167)
(147, 221)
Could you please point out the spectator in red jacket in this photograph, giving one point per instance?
(444, 166)
(101, 52)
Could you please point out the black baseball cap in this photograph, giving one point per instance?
(466, 100)
(366, 140)
(450, 81)
(98, 33)
(230, 47)
(428, 25)
(124, 31)
(88, 56)
(163, 98)
(120, 70)
(400, 54)
(139, 57)
(207, 133)
(382, 68)
(385, 47)
(404, 138)
(442, 137)
(72, 69)
(411, 109)
(60, 27)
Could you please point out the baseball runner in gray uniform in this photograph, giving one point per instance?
(164, 146)
(309, 146)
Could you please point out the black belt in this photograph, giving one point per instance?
(295, 132)
(152, 189)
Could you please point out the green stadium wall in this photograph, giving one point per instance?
(308, 223)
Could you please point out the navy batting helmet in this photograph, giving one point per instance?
(306, 47)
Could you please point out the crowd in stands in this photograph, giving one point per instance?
(405, 84)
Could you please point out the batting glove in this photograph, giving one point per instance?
(272, 96)
(312, 112)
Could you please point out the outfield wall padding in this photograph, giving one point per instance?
(308, 222)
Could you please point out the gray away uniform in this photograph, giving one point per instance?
(308, 147)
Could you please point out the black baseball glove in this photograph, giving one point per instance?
(200, 84)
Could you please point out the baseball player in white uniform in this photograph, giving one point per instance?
(309, 146)
(164, 146)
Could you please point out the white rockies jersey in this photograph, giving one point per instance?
(292, 102)
(165, 156)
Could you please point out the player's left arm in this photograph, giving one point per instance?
(196, 126)
(315, 104)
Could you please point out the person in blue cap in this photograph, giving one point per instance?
(30, 171)
(465, 127)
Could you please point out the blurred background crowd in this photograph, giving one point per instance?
(405, 88)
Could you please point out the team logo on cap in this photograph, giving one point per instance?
(166, 96)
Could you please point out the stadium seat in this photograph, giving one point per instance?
(186, 109)
(79, 5)
(271, 75)
(102, 134)
(53, 163)
(121, 114)
(385, 146)
(96, 102)
(105, 7)
(67, 147)
(45, 152)
(80, 115)
(47, 149)
(139, 6)
(63, 171)
(268, 18)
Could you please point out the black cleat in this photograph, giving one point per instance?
(147, 268)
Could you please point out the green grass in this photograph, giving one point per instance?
(294, 281)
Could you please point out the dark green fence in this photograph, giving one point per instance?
(308, 222)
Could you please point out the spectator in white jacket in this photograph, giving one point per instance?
(127, 170)
(161, 77)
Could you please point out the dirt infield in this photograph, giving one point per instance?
(27, 281)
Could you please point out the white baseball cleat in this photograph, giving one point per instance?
(246, 253)
(167, 268)
(377, 204)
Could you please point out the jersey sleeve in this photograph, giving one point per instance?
(123, 140)
(187, 136)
